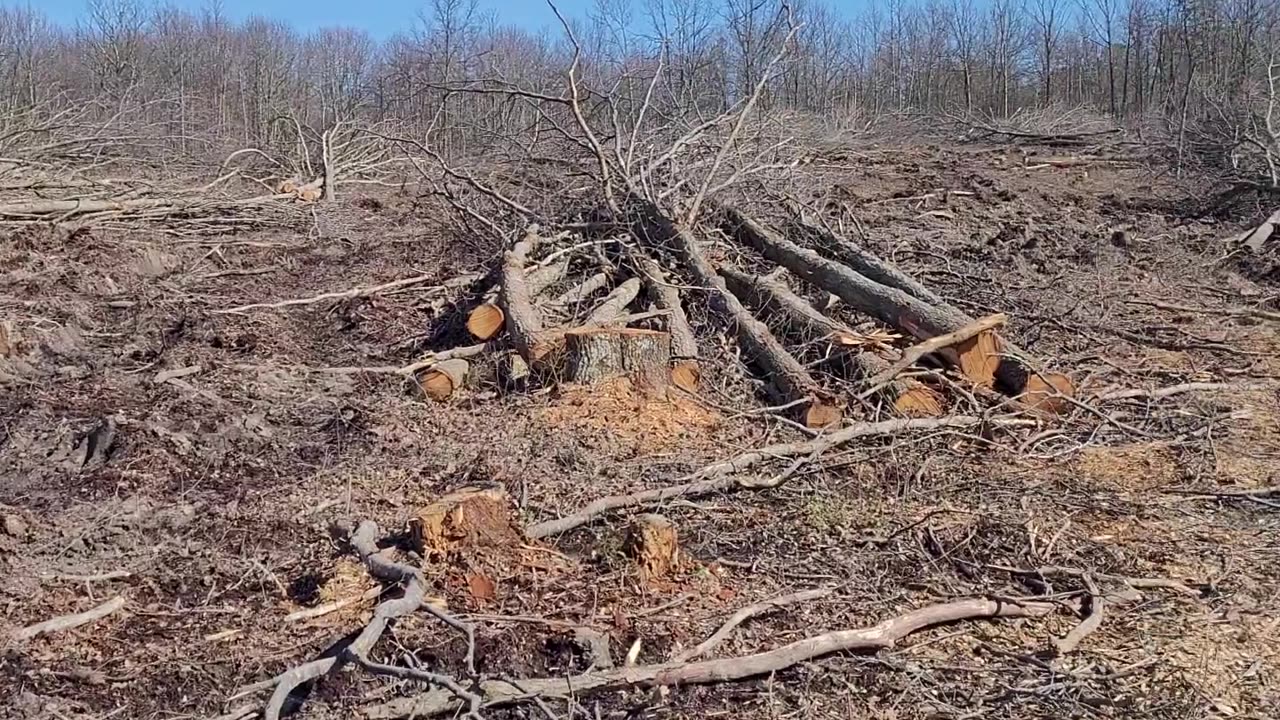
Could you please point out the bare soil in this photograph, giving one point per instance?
(210, 494)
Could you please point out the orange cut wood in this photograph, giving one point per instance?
(685, 376)
(1047, 392)
(822, 415)
(919, 401)
(441, 380)
(486, 321)
(979, 358)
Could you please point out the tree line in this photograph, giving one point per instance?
(201, 80)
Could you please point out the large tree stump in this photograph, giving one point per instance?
(593, 355)
(467, 519)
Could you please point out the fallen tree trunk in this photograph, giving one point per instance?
(684, 344)
(871, 639)
(792, 381)
(773, 295)
(523, 321)
(864, 263)
(895, 307)
(488, 318)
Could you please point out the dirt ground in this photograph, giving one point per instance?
(192, 462)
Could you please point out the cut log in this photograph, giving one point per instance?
(523, 321)
(615, 303)
(897, 308)
(866, 264)
(583, 290)
(1047, 393)
(444, 378)
(486, 321)
(467, 519)
(594, 354)
(1254, 238)
(653, 544)
(792, 381)
(772, 295)
(684, 344)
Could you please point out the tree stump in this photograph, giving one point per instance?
(467, 519)
(653, 544)
(593, 355)
(442, 379)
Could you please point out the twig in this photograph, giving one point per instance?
(354, 293)
(1091, 623)
(336, 605)
(716, 477)
(871, 639)
(746, 613)
(1180, 389)
(67, 622)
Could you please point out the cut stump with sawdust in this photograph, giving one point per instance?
(593, 355)
(466, 519)
(653, 543)
(444, 378)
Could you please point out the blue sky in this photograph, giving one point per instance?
(380, 17)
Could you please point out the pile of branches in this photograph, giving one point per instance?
(603, 287)
(77, 166)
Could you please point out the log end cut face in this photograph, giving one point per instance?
(486, 321)
(469, 518)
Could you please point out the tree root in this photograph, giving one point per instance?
(871, 639)
(364, 541)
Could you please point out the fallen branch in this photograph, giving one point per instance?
(715, 478)
(746, 613)
(872, 639)
(67, 622)
(364, 542)
(1087, 626)
(355, 293)
(1165, 392)
(932, 345)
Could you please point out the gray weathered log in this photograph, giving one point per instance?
(524, 322)
(896, 308)
(772, 295)
(615, 303)
(684, 344)
(790, 378)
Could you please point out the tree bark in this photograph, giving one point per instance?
(792, 381)
(684, 344)
(593, 355)
(772, 295)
